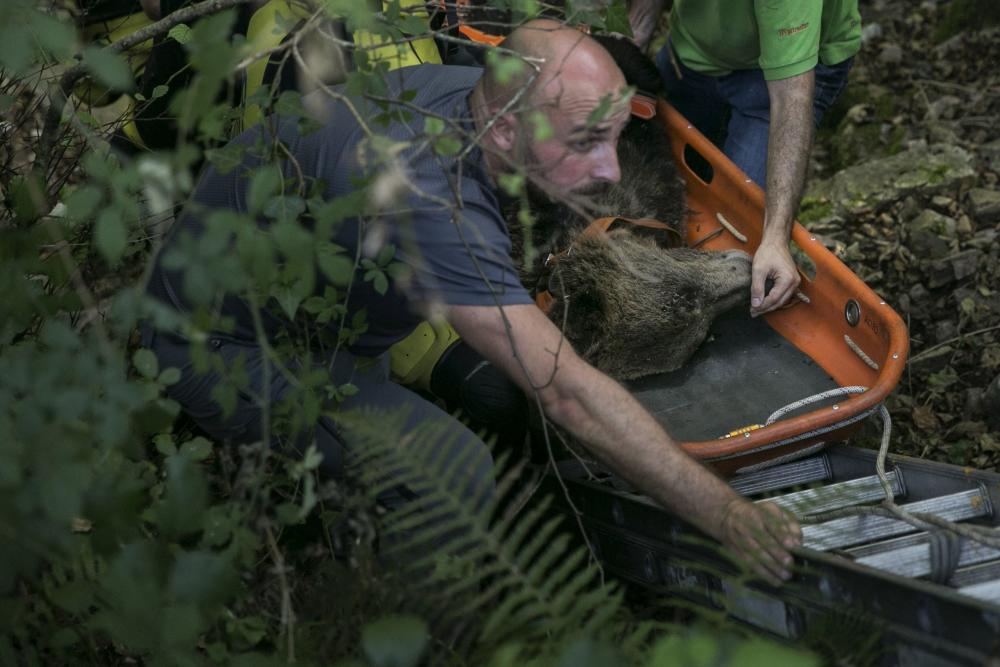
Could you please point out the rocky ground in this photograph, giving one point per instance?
(905, 191)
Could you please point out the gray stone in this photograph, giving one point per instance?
(991, 403)
(964, 225)
(933, 361)
(929, 233)
(985, 204)
(941, 132)
(990, 154)
(964, 264)
(945, 330)
(919, 293)
(973, 402)
(939, 273)
(940, 201)
(943, 107)
(910, 208)
(984, 239)
(926, 170)
(891, 54)
(870, 32)
(951, 44)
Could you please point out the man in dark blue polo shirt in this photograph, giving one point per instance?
(446, 226)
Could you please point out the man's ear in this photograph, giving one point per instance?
(503, 133)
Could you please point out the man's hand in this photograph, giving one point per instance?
(761, 536)
(772, 260)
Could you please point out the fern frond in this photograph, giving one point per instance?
(498, 570)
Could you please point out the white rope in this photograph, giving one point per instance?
(984, 535)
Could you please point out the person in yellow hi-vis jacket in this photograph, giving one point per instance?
(161, 69)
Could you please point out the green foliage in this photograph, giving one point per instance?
(126, 536)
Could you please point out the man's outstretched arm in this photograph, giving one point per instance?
(789, 141)
(619, 431)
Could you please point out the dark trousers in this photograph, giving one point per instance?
(243, 424)
(734, 111)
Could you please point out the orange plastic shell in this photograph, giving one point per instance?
(817, 328)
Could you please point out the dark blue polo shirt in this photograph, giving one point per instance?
(456, 259)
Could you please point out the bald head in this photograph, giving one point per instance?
(564, 55)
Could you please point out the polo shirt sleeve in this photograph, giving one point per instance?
(459, 255)
(789, 33)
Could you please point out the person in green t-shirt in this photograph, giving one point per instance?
(755, 77)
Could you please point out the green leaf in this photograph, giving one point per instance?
(587, 652)
(169, 376)
(81, 204)
(447, 145)
(164, 444)
(512, 184)
(28, 196)
(758, 651)
(385, 254)
(145, 362)
(506, 67)
(197, 449)
(108, 68)
(394, 641)
(180, 33)
(288, 514)
(289, 299)
(380, 282)
(203, 578)
(265, 183)
(434, 125)
(412, 25)
(312, 459)
(160, 91)
(245, 632)
(56, 37)
(600, 112)
(616, 18)
(185, 498)
(542, 128)
(110, 235)
(337, 267)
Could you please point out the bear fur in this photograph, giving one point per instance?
(630, 301)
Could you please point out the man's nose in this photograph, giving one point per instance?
(606, 164)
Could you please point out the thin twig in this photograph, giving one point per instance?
(924, 353)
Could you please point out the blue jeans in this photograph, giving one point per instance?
(733, 111)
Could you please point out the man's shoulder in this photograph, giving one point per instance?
(440, 77)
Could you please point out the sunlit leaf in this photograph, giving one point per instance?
(108, 68)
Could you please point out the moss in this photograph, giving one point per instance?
(896, 140)
(854, 142)
(847, 141)
(937, 174)
(813, 209)
(962, 15)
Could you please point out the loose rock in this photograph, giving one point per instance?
(985, 204)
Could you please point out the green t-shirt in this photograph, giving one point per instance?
(783, 38)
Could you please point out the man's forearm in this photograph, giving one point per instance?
(789, 142)
(619, 431)
(610, 423)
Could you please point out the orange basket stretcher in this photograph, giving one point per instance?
(844, 336)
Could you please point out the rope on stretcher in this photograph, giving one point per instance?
(944, 548)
